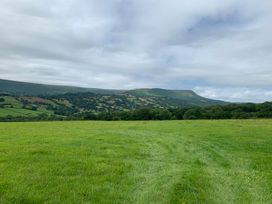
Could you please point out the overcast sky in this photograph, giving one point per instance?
(221, 49)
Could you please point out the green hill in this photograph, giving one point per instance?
(186, 97)
(179, 94)
(25, 88)
(173, 97)
(21, 98)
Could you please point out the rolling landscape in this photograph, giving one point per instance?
(175, 160)
(28, 99)
(37, 102)
(135, 102)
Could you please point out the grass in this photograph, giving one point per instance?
(20, 112)
(12, 101)
(136, 162)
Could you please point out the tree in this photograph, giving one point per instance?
(217, 112)
(162, 114)
(142, 114)
(193, 114)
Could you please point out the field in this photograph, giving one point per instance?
(17, 108)
(4, 112)
(136, 162)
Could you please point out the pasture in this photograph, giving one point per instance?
(136, 162)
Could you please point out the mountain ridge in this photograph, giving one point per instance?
(67, 100)
(31, 88)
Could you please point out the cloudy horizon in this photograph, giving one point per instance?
(219, 49)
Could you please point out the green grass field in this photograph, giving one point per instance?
(4, 112)
(18, 110)
(136, 162)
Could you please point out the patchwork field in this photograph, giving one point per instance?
(136, 162)
(4, 112)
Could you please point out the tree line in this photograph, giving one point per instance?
(231, 111)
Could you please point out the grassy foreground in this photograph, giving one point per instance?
(136, 162)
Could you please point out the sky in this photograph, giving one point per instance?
(221, 49)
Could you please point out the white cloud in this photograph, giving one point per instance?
(241, 94)
(217, 45)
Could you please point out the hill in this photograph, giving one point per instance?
(33, 89)
(188, 97)
(25, 88)
(30, 99)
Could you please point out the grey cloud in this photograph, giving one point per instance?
(216, 45)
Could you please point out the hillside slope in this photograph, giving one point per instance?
(30, 98)
(25, 88)
(186, 96)
(70, 103)
(173, 97)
